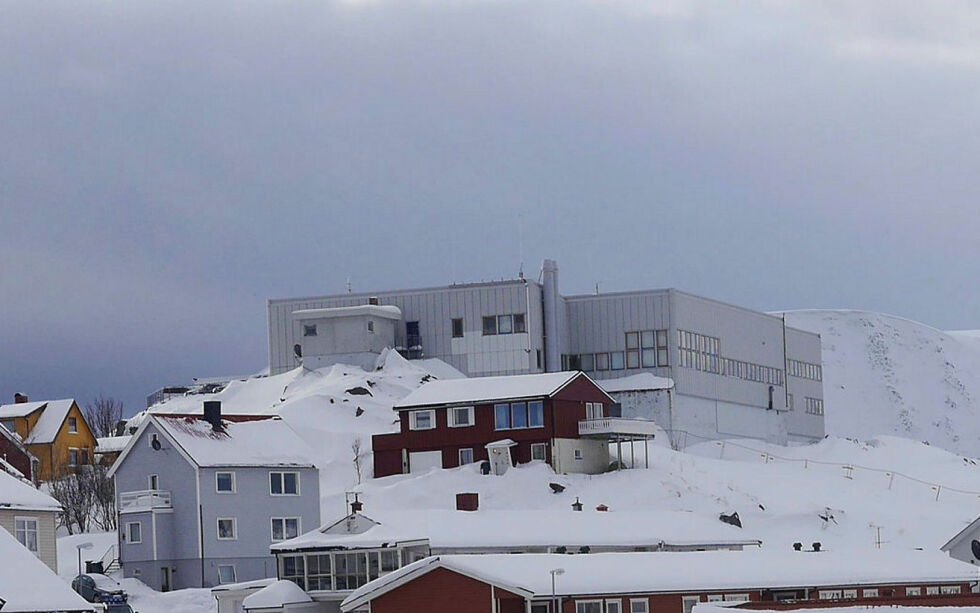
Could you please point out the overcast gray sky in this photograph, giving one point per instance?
(165, 167)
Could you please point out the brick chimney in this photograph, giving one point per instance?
(20, 398)
(467, 501)
(212, 414)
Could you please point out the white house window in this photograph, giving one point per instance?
(370, 326)
(588, 606)
(616, 360)
(932, 590)
(614, 606)
(539, 451)
(872, 593)
(460, 417)
(227, 528)
(73, 425)
(457, 325)
(284, 484)
(639, 605)
(284, 528)
(309, 330)
(465, 456)
(153, 482)
(913, 591)
(224, 482)
(593, 410)
(422, 420)
(850, 593)
(517, 415)
(226, 573)
(25, 529)
(578, 454)
(949, 589)
(134, 532)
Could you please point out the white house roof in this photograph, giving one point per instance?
(264, 442)
(386, 311)
(27, 584)
(15, 494)
(487, 389)
(52, 416)
(275, 595)
(962, 534)
(624, 573)
(110, 444)
(639, 382)
(528, 528)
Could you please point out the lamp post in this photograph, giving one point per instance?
(86, 545)
(555, 573)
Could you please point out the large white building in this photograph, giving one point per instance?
(736, 372)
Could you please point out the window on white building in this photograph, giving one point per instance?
(226, 573)
(134, 532)
(284, 528)
(227, 528)
(284, 484)
(224, 482)
(309, 330)
(25, 530)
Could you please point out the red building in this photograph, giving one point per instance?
(14, 455)
(563, 418)
(666, 582)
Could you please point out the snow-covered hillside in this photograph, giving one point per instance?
(888, 375)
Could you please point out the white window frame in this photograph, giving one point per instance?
(932, 590)
(913, 591)
(413, 419)
(716, 598)
(639, 601)
(543, 447)
(579, 608)
(849, 594)
(614, 602)
(950, 589)
(272, 528)
(234, 528)
(870, 592)
(153, 482)
(234, 574)
(234, 484)
(688, 603)
(27, 530)
(282, 482)
(577, 454)
(460, 456)
(471, 417)
(129, 532)
(594, 410)
(740, 597)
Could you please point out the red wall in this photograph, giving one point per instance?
(15, 456)
(444, 591)
(561, 416)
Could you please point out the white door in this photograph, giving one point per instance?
(422, 461)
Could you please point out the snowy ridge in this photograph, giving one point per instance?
(889, 375)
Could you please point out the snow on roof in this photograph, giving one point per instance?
(483, 389)
(16, 494)
(276, 595)
(27, 584)
(527, 528)
(624, 573)
(635, 383)
(264, 442)
(255, 584)
(386, 310)
(111, 444)
(711, 607)
(440, 369)
(53, 413)
(962, 534)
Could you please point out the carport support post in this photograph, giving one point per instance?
(646, 452)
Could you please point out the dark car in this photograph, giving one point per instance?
(104, 590)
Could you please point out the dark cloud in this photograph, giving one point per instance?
(166, 167)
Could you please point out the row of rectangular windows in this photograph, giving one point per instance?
(281, 529)
(341, 571)
(702, 352)
(804, 370)
(507, 416)
(644, 349)
(512, 323)
(932, 590)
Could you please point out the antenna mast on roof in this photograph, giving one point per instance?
(520, 244)
(348, 285)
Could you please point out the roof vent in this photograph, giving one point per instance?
(20, 398)
(797, 546)
(816, 546)
(602, 508)
(373, 300)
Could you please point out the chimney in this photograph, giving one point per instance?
(212, 414)
(602, 508)
(20, 398)
(356, 506)
(816, 546)
(373, 300)
(576, 506)
(797, 546)
(467, 501)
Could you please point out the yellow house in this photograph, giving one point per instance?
(55, 431)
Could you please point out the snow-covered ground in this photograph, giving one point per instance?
(889, 382)
(888, 375)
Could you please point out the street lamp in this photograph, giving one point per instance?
(86, 545)
(557, 572)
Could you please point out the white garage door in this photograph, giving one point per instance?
(422, 461)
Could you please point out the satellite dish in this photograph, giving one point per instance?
(975, 547)
(155, 444)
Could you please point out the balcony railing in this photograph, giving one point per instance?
(613, 427)
(144, 499)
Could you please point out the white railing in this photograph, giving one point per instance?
(144, 499)
(617, 426)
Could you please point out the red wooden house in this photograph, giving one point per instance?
(666, 582)
(563, 418)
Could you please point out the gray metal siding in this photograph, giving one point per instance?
(806, 347)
